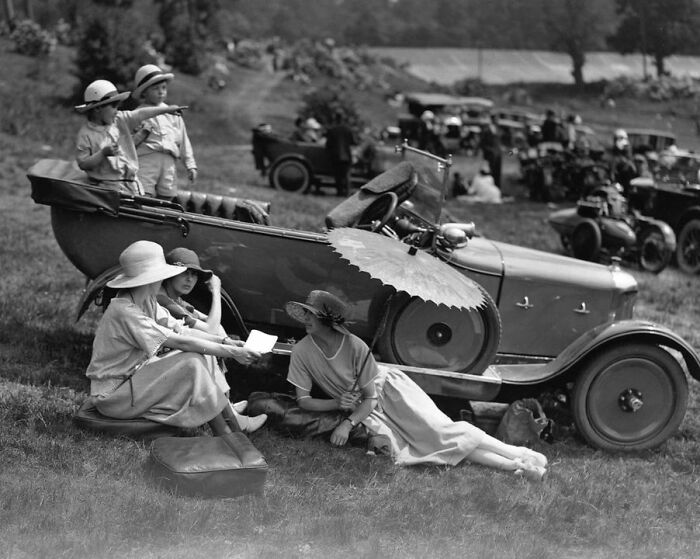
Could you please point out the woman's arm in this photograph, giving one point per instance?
(213, 319)
(201, 342)
(306, 402)
(360, 412)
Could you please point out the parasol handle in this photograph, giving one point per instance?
(378, 332)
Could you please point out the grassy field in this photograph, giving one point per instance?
(66, 493)
(447, 65)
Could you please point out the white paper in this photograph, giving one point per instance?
(260, 342)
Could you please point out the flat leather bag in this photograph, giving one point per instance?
(225, 466)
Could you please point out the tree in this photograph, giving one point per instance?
(658, 27)
(577, 27)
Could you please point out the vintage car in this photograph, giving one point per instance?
(602, 226)
(546, 323)
(298, 166)
(643, 140)
(673, 196)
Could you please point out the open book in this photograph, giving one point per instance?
(260, 342)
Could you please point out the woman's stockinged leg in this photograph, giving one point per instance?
(513, 452)
(219, 426)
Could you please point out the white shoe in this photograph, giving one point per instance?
(534, 457)
(239, 407)
(251, 424)
(530, 471)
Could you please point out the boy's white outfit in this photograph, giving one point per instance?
(167, 141)
(118, 171)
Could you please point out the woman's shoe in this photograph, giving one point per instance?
(534, 457)
(530, 471)
(251, 424)
(239, 407)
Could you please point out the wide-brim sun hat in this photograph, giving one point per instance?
(143, 263)
(149, 75)
(182, 256)
(100, 93)
(324, 305)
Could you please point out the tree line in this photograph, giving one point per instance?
(657, 28)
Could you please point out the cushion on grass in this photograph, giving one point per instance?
(87, 417)
(226, 466)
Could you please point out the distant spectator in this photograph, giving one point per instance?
(306, 130)
(483, 188)
(550, 128)
(339, 142)
(258, 142)
(490, 145)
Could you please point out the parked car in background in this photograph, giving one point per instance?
(673, 196)
(643, 140)
(602, 226)
(299, 166)
(547, 323)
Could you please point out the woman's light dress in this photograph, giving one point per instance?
(418, 431)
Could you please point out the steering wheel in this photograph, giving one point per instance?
(378, 213)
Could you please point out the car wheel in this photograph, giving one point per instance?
(424, 334)
(586, 240)
(654, 253)
(630, 397)
(290, 175)
(688, 250)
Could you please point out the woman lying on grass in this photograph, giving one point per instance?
(134, 374)
(386, 401)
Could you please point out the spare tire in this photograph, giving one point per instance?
(586, 240)
(424, 334)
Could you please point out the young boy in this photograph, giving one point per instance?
(164, 138)
(104, 148)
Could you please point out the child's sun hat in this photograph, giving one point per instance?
(149, 75)
(99, 93)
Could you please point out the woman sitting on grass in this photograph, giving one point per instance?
(133, 373)
(384, 399)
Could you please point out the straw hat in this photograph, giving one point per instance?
(143, 263)
(188, 258)
(148, 75)
(99, 93)
(324, 305)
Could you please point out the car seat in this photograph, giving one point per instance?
(400, 179)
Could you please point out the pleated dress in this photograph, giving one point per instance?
(418, 431)
(130, 376)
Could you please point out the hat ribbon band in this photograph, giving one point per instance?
(148, 77)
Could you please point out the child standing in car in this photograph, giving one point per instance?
(163, 139)
(105, 149)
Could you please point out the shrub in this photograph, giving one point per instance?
(30, 39)
(324, 103)
(110, 47)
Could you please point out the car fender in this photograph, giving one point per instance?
(664, 228)
(594, 340)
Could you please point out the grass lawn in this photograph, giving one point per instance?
(67, 493)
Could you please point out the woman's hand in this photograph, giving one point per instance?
(214, 284)
(340, 434)
(349, 401)
(243, 355)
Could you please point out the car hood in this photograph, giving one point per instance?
(496, 258)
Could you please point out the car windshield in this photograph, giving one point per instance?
(429, 196)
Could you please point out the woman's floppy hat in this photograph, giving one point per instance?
(99, 93)
(324, 305)
(188, 258)
(148, 75)
(143, 263)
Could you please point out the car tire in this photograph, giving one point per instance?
(586, 240)
(688, 248)
(290, 175)
(424, 334)
(630, 397)
(654, 252)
